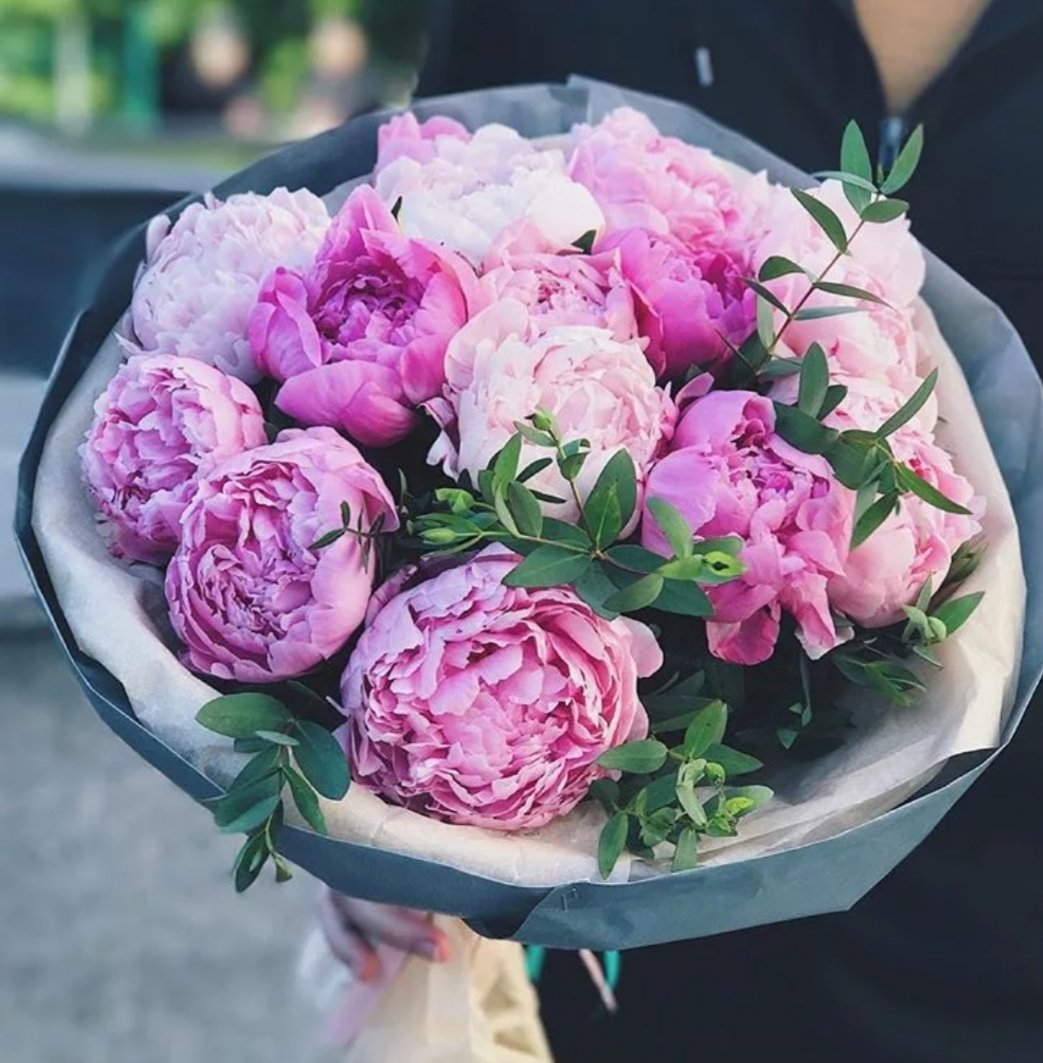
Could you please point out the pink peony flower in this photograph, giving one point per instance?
(642, 179)
(249, 596)
(360, 338)
(500, 369)
(691, 302)
(200, 278)
(162, 421)
(465, 193)
(487, 705)
(913, 545)
(730, 474)
(404, 137)
(884, 258)
(566, 289)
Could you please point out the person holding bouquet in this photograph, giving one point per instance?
(942, 960)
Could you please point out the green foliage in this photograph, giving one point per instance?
(287, 752)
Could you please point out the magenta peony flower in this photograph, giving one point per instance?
(200, 278)
(249, 596)
(642, 179)
(501, 368)
(913, 545)
(566, 289)
(487, 705)
(730, 474)
(404, 137)
(161, 421)
(360, 338)
(466, 194)
(691, 303)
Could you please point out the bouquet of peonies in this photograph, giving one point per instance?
(537, 510)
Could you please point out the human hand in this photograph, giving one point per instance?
(353, 928)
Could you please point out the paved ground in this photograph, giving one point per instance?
(123, 941)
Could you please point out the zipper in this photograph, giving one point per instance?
(892, 136)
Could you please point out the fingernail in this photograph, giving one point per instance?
(434, 949)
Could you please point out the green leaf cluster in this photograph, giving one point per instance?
(287, 753)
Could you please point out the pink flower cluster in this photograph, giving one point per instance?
(480, 278)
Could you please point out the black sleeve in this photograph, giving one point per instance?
(478, 44)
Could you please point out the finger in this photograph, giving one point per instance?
(402, 928)
(405, 929)
(346, 943)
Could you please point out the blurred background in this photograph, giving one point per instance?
(122, 937)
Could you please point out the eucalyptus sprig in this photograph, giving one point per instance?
(366, 536)
(287, 752)
(610, 576)
(871, 196)
(674, 786)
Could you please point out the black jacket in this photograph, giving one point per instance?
(943, 962)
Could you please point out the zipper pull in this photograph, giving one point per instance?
(892, 134)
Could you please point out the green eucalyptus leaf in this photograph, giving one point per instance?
(686, 853)
(586, 242)
(251, 859)
(240, 715)
(571, 465)
(263, 764)
(558, 531)
(849, 291)
(814, 381)
(594, 587)
(777, 368)
(321, 760)
(603, 515)
(910, 408)
(618, 472)
(534, 435)
(306, 801)
(611, 842)
(803, 431)
(845, 178)
(915, 483)
(505, 465)
(638, 595)
(328, 539)
(548, 566)
(249, 818)
(872, 518)
(765, 323)
(854, 155)
(733, 761)
(814, 313)
(684, 568)
(826, 219)
(525, 509)
(956, 612)
(674, 526)
(835, 395)
(533, 468)
(756, 795)
(778, 266)
(276, 738)
(686, 798)
(706, 729)
(766, 294)
(884, 210)
(906, 163)
(641, 757)
(605, 792)
(684, 599)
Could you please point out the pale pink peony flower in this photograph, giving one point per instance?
(250, 596)
(566, 289)
(200, 278)
(642, 179)
(691, 302)
(884, 259)
(359, 339)
(162, 421)
(913, 545)
(405, 137)
(481, 704)
(465, 194)
(500, 369)
(729, 473)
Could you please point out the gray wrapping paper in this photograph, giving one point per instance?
(826, 875)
